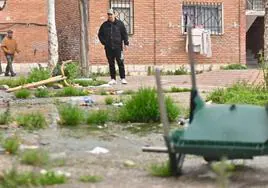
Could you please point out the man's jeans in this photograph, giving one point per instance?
(9, 67)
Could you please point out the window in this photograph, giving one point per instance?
(206, 15)
(124, 12)
(2, 36)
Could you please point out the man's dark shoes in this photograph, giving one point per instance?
(14, 74)
(6, 74)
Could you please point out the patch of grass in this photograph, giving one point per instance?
(35, 157)
(71, 91)
(109, 100)
(14, 82)
(41, 93)
(180, 71)
(103, 92)
(11, 144)
(143, 107)
(23, 94)
(58, 162)
(234, 67)
(14, 179)
(86, 83)
(38, 74)
(240, 93)
(32, 121)
(98, 117)
(160, 170)
(129, 92)
(5, 117)
(178, 90)
(91, 179)
(70, 115)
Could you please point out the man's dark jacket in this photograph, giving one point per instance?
(111, 34)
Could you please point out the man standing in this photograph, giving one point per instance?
(9, 46)
(112, 34)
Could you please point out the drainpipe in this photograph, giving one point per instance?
(154, 28)
(239, 30)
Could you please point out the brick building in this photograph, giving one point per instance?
(156, 29)
(28, 20)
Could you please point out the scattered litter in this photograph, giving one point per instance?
(118, 104)
(41, 87)
(129, 163)
(2, 150)
(104, 85)
(100, 127)
(68, 174)
(24, 147)
(120, 92)
(209, 102)
(98, 150)
(43, 171)
(87, 101)
(58, 155)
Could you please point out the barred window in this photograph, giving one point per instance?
(206, 15)
(124, 12)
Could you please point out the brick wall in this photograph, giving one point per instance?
(27, 18)
(165, 44)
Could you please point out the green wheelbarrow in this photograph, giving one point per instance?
(213, 131)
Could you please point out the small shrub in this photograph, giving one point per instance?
(11, 144)
(103, 92)
(35, 157)
(70, 91)
(38, 74)
(162, 170)
(239, 93)
(180, 71)
(109, 100)
(33, 121)
(23, 94)
(178, 90)
(143, 107)
(71, 115)
(72, 70)
(41, 93)
(86, 83)
(98, 117)
(234, 67)
(91, 179)
(52, 178)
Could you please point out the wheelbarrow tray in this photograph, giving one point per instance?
(234, 131)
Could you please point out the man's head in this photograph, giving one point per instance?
(9, 33)
(110, 14)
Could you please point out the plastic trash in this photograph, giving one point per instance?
(99, 150)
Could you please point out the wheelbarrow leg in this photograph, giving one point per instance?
(176, 162)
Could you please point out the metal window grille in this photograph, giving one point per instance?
(2, 36)
(124, 12)
(257, 5)
(206, 15)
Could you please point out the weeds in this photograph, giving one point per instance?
(162, 170)
(23, 94)
(14, 179)
(241, 93)
(38, 74)
(143, 107)
(5, 117)
(98, 117)
(178, 90)
(71, 115)
(41, 93)
(91, 179)
(86, 83)
(11, 144)
(234, 67)
(70, 91)
(14, 82)
(72, 70)
(129, 92)
(33, 121)
(35, 157)
(109, 100)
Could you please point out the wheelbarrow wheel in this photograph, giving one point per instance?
(176, 163)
